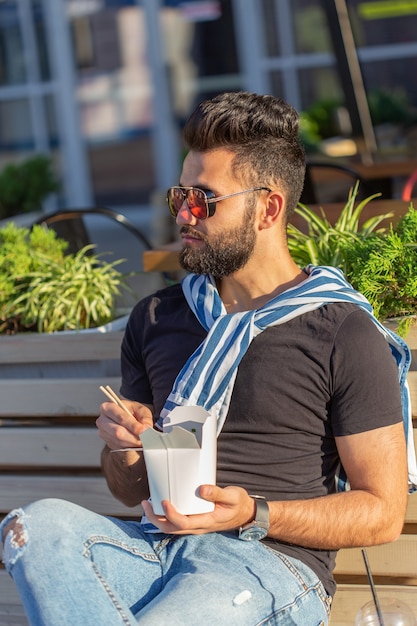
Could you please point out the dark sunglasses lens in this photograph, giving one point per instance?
(196, 200)
(175, 199)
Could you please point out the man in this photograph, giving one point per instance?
(301, 380)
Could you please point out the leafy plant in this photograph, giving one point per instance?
(325, 244)
(384, 269)
(23, 186)
(319, 121)
(389, 107)
(43, 289)
(381, 262)
(321, 117)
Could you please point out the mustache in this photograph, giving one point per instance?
(188, 230)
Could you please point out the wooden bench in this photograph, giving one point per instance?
(49, 448)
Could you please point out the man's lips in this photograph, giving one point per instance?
(190, 238)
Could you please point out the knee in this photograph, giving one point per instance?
(17, 530)
(38, 515)
(14, 535)
(29, 525)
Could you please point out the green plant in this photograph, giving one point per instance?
(324, 243)
(23, 186)
(384, 268)
(321, 116)
(319, 121)
(43, 289)
(381, 263)
(389, 107)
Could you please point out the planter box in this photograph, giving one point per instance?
(59, 373)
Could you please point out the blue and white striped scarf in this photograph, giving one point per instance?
(208, 377)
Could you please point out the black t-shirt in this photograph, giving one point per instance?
(326, 373)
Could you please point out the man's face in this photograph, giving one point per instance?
(224, 243)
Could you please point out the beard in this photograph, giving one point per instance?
(223, 254)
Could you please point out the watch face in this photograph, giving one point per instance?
(254, 533)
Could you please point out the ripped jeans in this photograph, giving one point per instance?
(75, 567)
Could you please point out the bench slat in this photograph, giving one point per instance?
(90, 492)
(11, 609)
(394, 559)
(59, 347)
(59, 397)
(58, 447)
(411, 516)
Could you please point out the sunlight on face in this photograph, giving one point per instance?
(225, 253)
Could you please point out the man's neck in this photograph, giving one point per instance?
(245, 293)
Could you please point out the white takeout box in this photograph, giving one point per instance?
(181, 458)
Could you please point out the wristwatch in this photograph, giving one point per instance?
(258, 528)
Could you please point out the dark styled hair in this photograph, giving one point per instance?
(263, 133)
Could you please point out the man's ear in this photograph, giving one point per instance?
(273, 210)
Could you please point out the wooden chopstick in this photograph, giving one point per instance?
(108, 391)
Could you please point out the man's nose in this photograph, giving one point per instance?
(184, 215)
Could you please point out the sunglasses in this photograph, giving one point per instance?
(201, 203)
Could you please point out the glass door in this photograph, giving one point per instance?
(32, 94)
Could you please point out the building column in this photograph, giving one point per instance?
(76, 177)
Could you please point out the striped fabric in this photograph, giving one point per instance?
(208, 377)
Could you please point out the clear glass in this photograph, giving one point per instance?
(383, 23)
(276, 83)
(392, 99)
(51, 122)
(272, 43)
(15, 126)
(12, 64)
(311, 33)
(394, 612)
(319, 84)
(115, 84)
(41, 39)
(309, 25)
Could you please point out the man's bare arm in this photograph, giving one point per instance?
(126, 477)
(372, 512)
(125, 472)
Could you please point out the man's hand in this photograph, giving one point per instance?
(233, 508)
(125, 472)
(119, 429)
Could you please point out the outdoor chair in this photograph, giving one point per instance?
(326, 181)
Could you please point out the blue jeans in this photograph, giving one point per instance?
(75, 567)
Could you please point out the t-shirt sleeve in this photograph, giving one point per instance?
(135, 384)
(366, 390)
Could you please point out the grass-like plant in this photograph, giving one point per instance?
(324, 243)
(43, 289)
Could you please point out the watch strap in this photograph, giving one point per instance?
(261, 513)
(259, 526)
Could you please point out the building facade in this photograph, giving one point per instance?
(103, 86)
